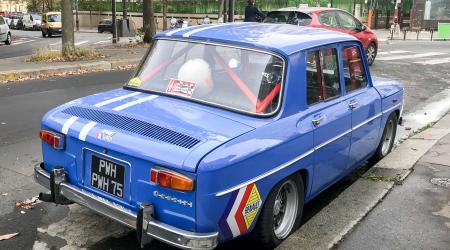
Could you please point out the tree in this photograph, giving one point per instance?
(68, 45)
(148, 21)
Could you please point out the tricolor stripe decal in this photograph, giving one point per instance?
(240, 212)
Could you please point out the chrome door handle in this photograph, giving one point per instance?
(353, 104)
(316, 121)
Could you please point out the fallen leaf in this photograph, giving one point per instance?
(8, 236)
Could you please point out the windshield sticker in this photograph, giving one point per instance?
(179, 87)
(135, 82)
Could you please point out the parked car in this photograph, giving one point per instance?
(31, 21)
(5, 33)
(19, 24)
(7, 20)
(105, 25)
(14, 20)
(224, 130)
(328, 18)
(51, 24)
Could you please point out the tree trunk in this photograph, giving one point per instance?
(220, 13)
(164, 10)
(148, 21)
(68, 46)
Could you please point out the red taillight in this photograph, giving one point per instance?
(169, 179)
(52, 138)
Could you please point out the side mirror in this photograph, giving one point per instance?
(361, 27)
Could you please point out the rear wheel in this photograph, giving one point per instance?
(43, 33)
(8, 39)
(387, 139)
(282, 212)
(371, 53)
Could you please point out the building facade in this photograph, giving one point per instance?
(13, 6)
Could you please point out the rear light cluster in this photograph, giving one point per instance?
(53, 139)
(170, 179)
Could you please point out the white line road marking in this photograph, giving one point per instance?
(129, 104)
(54, 44)
(79, 43)
(435, 61)
(391, 58)
(84, 132)
(105, 41)
(22, 42)
(393, 52)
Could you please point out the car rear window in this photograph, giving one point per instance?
(230, 77)
(289, 17)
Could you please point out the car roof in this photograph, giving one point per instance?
(307, 9)
(285, 39)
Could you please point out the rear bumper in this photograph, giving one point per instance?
(147, 227)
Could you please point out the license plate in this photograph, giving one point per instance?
(107, 176)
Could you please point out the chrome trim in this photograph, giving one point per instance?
(392, 108)
(153, 228)
(332, 139)
(228, 45)
(280, 167)
(366, 121)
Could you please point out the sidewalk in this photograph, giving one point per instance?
(415, 215)
(384, 35)
(17, 68)
(366, 216)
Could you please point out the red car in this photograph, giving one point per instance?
(328, 18)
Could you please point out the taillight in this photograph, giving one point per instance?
(170, 179)
(53, 139)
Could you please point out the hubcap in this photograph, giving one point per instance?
(388, 137)
(285, 209)
(371, 53)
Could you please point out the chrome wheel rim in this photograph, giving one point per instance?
(285, 209)
(388, 137)
(371, 53)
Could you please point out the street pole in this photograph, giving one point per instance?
(114, 22)
(164, 10)
(125, 9)
(77, 21)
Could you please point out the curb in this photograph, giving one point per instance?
(335, 221)
(14, 75)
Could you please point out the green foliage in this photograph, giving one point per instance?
(43, 5)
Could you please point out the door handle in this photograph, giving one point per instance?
(353, 104)
(317, 120)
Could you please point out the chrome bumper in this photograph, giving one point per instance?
(147, 227)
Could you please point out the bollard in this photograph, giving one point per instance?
(404, 33)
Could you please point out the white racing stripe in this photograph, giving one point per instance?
(129, 104)
(84, 132)
(177, 30)
(72, 119)
(189, 33)
(390, 58)
(435, 61)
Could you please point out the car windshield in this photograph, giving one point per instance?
(289, 17)
(36, 17)
(54, 18)
(235, 78)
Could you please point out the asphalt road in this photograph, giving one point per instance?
(26, 42)
(48, 226)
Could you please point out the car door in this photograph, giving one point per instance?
(330, 116)
(365, 103)
(2, 29)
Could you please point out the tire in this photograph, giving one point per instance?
(269, 235)
(8, 39)
(49, 33)
(43, 33)
(371, 53)
(387, 139)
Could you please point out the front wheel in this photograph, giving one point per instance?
(43, 33)
(387, 139)
(282, 212)
(8, 39)
(371, 53)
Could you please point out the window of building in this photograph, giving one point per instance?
(354, 73)
(322, 76)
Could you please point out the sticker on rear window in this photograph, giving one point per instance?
(180, 87)
(135, 82)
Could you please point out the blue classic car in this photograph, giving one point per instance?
(224, 130)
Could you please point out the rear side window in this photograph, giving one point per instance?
(354, 73)
(322, 76)
(328, 19)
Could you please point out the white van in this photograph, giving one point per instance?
(5, 34)
(32, 22)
